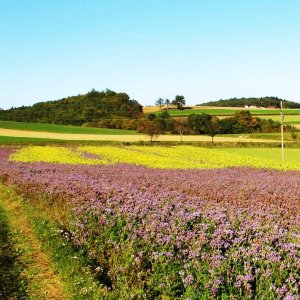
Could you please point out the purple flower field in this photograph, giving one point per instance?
(169, 234)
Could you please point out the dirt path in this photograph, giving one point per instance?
(43, 282)
(124, 138)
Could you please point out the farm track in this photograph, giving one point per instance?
(124, 138)
(43, 282)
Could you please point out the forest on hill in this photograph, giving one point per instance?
(259, 102)
(87, 109)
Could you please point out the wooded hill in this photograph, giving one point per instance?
(259, 102)
(77, 110)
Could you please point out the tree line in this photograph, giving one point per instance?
(252, 101)
(241, 122)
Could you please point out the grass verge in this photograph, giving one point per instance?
(265, 136)
(10, 140)
(42, 280)
(53, 268)
(12, 283)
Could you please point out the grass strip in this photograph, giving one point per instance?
(42, 280)
(73, 266)
(12, 284)
(12, 140)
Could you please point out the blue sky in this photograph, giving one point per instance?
(204, 50)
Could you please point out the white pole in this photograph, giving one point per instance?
(282, 143)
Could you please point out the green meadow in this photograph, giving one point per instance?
(288, 119)
(290, 154)
(63, 128)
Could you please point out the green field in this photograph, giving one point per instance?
(288, 119)
(291, 155)
(230, 112)
(63, 128)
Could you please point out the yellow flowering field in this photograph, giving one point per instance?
(53, 154)
(177, 157)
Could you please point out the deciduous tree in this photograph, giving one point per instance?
(212, 128)
(160, 102)
(167, 103)
(180, 127)
(204, 124)
(151, 128)
(179, 102)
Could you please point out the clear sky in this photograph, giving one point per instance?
(202, 49)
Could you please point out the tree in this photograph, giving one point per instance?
(180, 127)
(151, 128)
(204, 124)
(167, 102)
(294, 134)
(199, 122)
(152, 117)
(179, 102)
(212, 128)
(165, 115)
(245, 123)
(226, 125)
(160, 102)
(166, 122)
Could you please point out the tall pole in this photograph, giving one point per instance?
(282, 119)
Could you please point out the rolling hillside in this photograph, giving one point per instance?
(89, 108)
